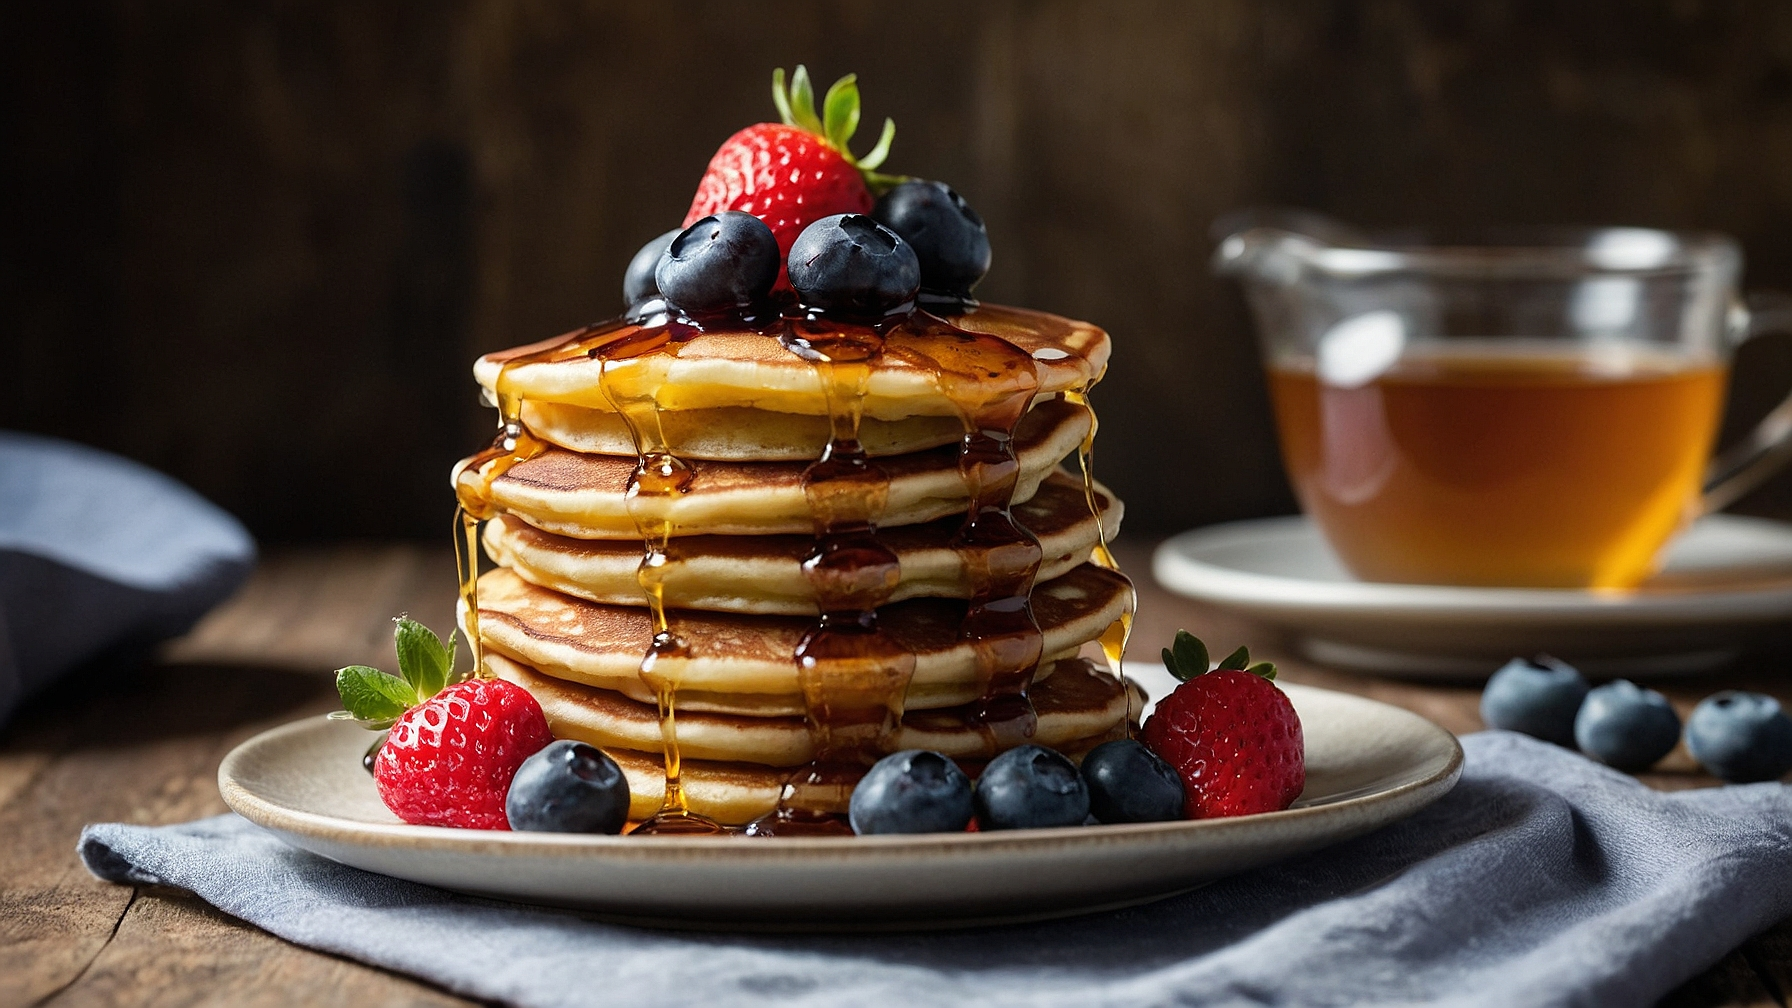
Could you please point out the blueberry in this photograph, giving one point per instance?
(568, 787)
(913, 791)
(850, 263)
(637, 281)
(1031, 787)
(1537, 697)
(1741, 736)
(724, 261)
(1129, 783)
(1622, 725)
(947, 235)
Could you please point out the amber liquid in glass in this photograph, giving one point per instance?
(1502, 466)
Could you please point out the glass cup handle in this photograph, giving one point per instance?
(1745, 464)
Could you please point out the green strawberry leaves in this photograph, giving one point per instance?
(1186, 658)
(423, 660)
(375, 699)
(838, 121)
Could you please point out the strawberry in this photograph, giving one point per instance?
(451, 749)
(793, 173)
(448, 761)
(1230, 733)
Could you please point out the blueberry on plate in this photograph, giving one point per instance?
(1741, 737)
(913, 791)
(1625, 726)
(1538, 697)
(1031, 787)
(638, 283)
(1129, 783)
(850, 263)
(948, 237)
(724, 261)
(568, 787)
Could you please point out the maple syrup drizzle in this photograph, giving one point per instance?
(1113, 639)
(854, 678)
(991, 383)
(659, 476)
(473, 496)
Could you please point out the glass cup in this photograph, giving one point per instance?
(1527, 409)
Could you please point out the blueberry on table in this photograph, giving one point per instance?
(568, 787)
(637, 281)
(852, 264)
(1538, 697)
(724, 261)
(1031, 787)
(913, 791)
(1625, 726)
(1129, 783)
(948, 237)
(1740, 736)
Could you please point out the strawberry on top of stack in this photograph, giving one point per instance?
(786, 549)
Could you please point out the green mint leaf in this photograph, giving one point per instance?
(802, 101)
(781, 99)
(840, 112)
(1265, 669)
(1190, 656)
(372, 696)
(877, 154)
(423, 660)
(1236, 661)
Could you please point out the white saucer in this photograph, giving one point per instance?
(1368, 764)
(1726, 583)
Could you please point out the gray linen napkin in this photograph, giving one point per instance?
(100, 556)
(1542, 879)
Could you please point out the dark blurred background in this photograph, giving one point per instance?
(258, 244)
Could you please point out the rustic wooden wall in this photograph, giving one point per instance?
(257, 245)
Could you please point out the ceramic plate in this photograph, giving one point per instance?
(1368, 764)
(1725, 583)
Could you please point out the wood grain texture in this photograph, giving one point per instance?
(142, 745)
(258, 246)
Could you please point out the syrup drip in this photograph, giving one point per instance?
(854, 678)
(991, 383)
(1114, 638)
(658, 477)
(473, 494)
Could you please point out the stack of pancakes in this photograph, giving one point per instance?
(565, 615)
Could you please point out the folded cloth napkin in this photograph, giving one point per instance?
(1542, 879)
(99, 554)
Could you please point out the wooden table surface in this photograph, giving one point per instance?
(143, 746)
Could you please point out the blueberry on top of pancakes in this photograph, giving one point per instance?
(948, 236)
(726, 261)
(851, 264)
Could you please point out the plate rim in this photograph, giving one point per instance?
(576, 846)
(1179, 571)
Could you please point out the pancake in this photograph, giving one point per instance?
(763, 574)
(736, 369)
(1075, 701)
(733, 432)
(742, 664)
(737, 793)
(586, 496)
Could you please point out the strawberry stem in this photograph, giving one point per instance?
(838, 121)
